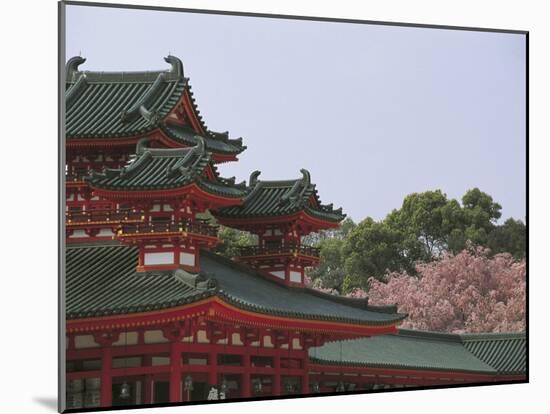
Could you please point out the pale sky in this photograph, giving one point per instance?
(373, 112)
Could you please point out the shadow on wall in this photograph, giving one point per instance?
(48, 402)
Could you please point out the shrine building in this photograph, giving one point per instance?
(155, 315)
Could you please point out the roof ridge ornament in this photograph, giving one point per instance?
(296, 193)
(197, 151)
(152, 117)
(141, 145)
(71, 68)
(253, 180)
(306, 182)
(140, 107)
(74, 91)
(306, 177)
(177, 65)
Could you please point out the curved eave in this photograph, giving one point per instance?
(343, 363)
(229, 148)
(218, 304)
(120, 136)
(338, 323)
(155, 193)
(106, 142)
(303, 215)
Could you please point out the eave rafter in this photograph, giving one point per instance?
(217, 308)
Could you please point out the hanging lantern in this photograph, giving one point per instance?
(188, 383)
(340, 387)
(125, 391)
(257, 385)
(315, 388)
(289, 387)
(223, 386)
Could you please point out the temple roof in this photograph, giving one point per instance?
(217, 142)
(281, 198)
(119, 104)
(487, 353)
(128, 104)
(102, 280)
(507, 353)
(163, 169)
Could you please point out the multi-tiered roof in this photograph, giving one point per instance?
(281, 199)
(117, 108)
(171, 170)
(169, 175)
(141, 168)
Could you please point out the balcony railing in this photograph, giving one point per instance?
(76, 174)
(172, 227)
(119, 215)
(279, 249)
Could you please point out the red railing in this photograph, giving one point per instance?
(172, 226)
(82, 216)
(76, 174)
(279, 249)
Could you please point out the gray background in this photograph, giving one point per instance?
(374, 112)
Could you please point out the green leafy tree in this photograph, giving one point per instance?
(371, 249)
(315, 239)
(510, 237)
(479, 216)
(330, 272)
(232, 240)
(426, 219)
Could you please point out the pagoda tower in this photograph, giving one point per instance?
(107, 114)
(171, 186)
(280, 213)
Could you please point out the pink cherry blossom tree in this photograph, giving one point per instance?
(469, 292)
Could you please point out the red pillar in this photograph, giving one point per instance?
(213, 368)
(148, 382)
(175, 372)
(246, 376)
(277, 375)
(305, 377)
(106, 398)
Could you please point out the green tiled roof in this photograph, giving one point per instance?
(215, 141)
(160, 168)
(247, 289)
(279, 198)
(102, 280)
(507, 353)
(428, 351)
(119, 104)
(124, 104)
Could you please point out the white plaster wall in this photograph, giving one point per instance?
(154, 337)
(296, 343)
(79, 233)
(187, 259)
(279, 273)
(85, 341)
(236, 339)
(127, 338)
(295, 276)
(201, 337)
(158, 258)
(267, 342)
